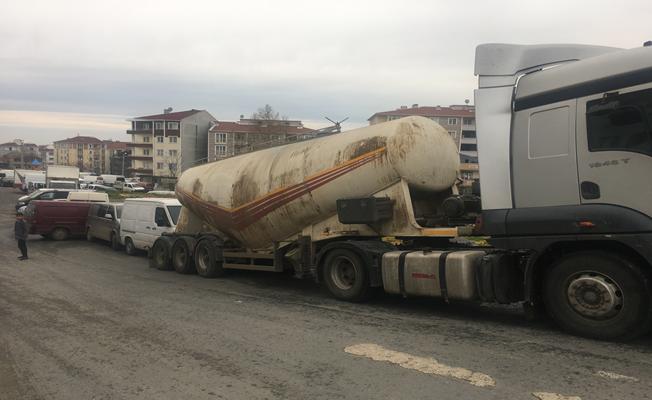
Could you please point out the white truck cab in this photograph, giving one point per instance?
(144, 220)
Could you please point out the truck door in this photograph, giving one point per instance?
(614, 148)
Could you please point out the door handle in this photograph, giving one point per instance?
(590, 190)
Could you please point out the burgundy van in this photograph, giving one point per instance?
(57, 220)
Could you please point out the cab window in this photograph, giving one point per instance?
(160, 217)
(620, 122)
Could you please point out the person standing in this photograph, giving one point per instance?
(20, 233)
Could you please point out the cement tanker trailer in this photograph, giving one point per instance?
(337, 209)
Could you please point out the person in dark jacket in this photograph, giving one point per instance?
(20, 233)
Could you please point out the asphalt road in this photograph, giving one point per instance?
(80, 321)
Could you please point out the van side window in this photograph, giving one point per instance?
(46, 196)
(101, 211)
(161, 218)
(620, 122)
(61, 195)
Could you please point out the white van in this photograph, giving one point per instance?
(144, 220)
(87, 195)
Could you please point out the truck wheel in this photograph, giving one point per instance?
(59, 234)
(182, 256)
(159, 256)
(206, 260)
(345, 275)
(115, 242)
(130, 249)
(598, 295)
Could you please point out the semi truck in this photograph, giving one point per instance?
(62, 177)
(564, 144)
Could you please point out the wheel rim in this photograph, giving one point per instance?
(343, 273)
(594, 295)
(160, 255)
(203, 257)
(130, 246)
(180, 258)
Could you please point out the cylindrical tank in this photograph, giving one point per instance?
(268, 195)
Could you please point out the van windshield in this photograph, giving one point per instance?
(174, 213)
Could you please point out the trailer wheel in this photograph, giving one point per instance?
(346, 276)
(115, 241)
(206, 261)
(59, 234)
(598, 295)
(130, 248)
(159, 256)
(182, 256)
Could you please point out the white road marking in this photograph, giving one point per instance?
(422, 364)
(615, 376)
(554, 396)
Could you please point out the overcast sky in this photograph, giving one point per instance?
(69, 67)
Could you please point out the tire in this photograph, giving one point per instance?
(130, 248)
(207, 263)
(89, 237)
(59, 234)
(159, 255)
(598, 295)
(115, 242)
(345, 275)
(182, 260)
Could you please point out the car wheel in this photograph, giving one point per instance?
(130, 249)
(115, 242)
(59, 234)
(599, 295)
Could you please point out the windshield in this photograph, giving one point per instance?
(35, 194)
(174, 213)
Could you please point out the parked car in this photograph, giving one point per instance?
(87, 195)
(101, 188)
(132, 187)
(144, 220)
(57, 220)
(42, 194)
(103, 223)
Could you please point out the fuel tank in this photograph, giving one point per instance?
(266, 196)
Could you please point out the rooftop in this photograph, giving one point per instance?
(430, 111)
(80, 140)
(236, 127)
(172, 116)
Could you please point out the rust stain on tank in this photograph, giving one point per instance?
(197, 187)
(364, 146)
(245, 190)
(405, 139)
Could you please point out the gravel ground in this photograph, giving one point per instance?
(80, 321)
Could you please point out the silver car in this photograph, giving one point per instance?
(104, 223)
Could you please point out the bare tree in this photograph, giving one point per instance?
(173, 163)
(266, 112)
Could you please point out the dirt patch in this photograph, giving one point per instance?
(197, 187)
(356, 149)
(405, 139)
(245, 189)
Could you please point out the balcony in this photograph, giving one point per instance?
(143, 171)
(140, 158)
(139, 130)
(145, 145)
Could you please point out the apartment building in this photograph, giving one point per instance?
(458, 120)
(164, 145)
(85, 152)
(226, 139)
(46, 152)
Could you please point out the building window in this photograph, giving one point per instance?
(158, 126)
(392, 117)
(172, 167)
(159, 152)
(159, 139)
(468, 134)
(147, 165)
(452, 121)
(453, 134)
(469, 147)
(468, 121)
(220, 150)
(145, 152)
(220, 138)
(146, 139)
(173, 139)
(173, 125)
(159, 165)
(172, 153)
